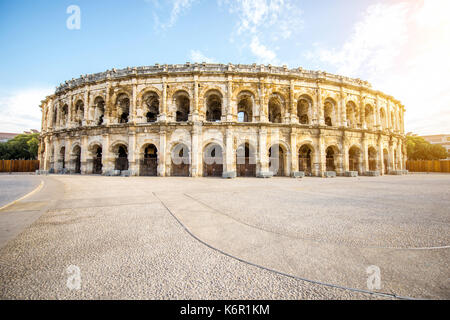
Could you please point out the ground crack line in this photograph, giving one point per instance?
(381, 294)
(306, 239)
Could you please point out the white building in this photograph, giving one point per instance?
(442, 139)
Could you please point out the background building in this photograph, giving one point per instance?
(442, 139)
(5, 136)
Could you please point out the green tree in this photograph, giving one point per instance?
(420, 149)
(23, 146)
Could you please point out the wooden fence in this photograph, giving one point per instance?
(19, 165)
(428, 165)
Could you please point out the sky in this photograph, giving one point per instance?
(401, 47)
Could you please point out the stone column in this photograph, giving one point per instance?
(402, 122)
(53, 154)
(133, 101)
(339, 111)
(388, 116)
(321, 157)
(263, 103)
(107, 114)
(400, 156)
(380, 156)
(163, 108)
(43, 120)
(343, 109)
(294, 151)
(391, 157)
(319, 113)
(162, 152)
(132, 154)
(107, 157)
(230, 101)
(293, 109)
(84, 154)
(196, 135)
(195, 112)
(362, 112)
(72, 113)
(345, 157)
(84, 121)
(262, 152)
(57, 125)
(230, 164)
(378, 125)
(365, 156)
(50, 121)
(339, 163)
(68, 163)
(46, 164)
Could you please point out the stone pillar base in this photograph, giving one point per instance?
(229, 175)
(351, 173)
(298, 174)
(265, 174)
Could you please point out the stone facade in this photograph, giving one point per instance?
(221, 120)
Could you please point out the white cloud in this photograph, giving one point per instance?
(198, 56)
(402, 49)
(265, 21)
(177, 8)
(263, 54)
(375, 42)
(19, 110)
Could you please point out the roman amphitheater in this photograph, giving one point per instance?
(221, 120)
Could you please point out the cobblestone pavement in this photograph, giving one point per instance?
(206, 238)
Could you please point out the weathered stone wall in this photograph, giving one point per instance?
(133, 108)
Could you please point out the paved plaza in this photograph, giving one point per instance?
(208, 238)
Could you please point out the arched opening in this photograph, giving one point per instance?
(386, 161)
(123, 108)
(62, 158)
(99, 112)
(372, 159)
(77, 159)
(64, 115)
(383, 118)
(55, 115)
(392, 121)
(275, 110)
(182, 103)
(79, 112)
(354, 159)
(180, 161)
(329, 112)
(276, 160)
(149, 161)
(212, 161)
(352, 115)
(330, 159)
(369, 117)
(304, 159)
(213, 107)
(97, 165)
(245, 107)
(121, 162)
(304, 107)
(245, 161)
(151, 106)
